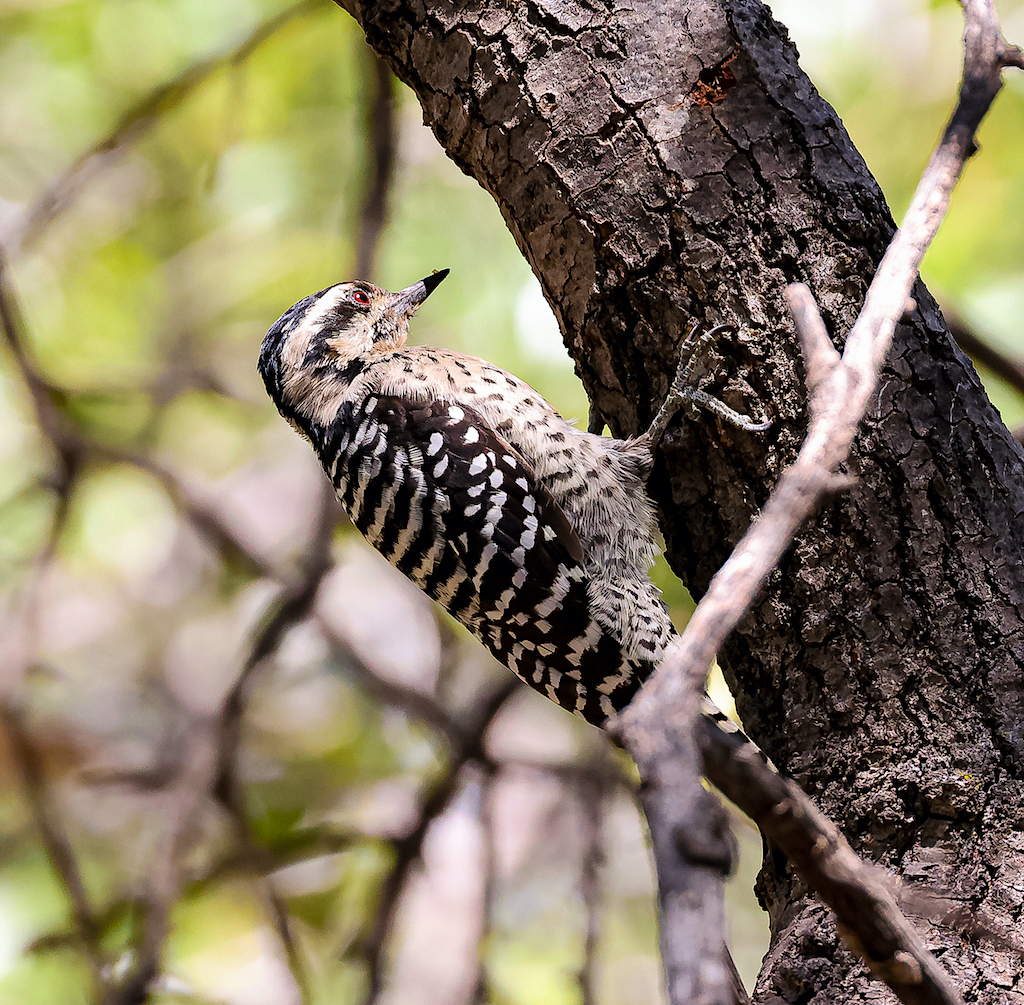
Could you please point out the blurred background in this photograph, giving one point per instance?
(237, 746)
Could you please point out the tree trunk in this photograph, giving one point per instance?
(669, 162)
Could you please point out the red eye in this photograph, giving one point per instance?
(361, 298)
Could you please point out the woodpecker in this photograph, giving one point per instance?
(536, 535)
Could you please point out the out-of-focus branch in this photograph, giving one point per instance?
(381, 131)
(1009, 369)
(55, 842)
(656, 728)
(23, 752)
(292, 606)
(1006, 367)
(206, 764)
(184, 799)
(482, 991)
(407, 849)
(204, 519)
(591, 798)
(416, 704)
(73, 449)
(45, 396)
(201, 767)
(137, 119)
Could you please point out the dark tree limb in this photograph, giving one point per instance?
(1008, 368)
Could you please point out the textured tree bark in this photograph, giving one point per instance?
(668, 162)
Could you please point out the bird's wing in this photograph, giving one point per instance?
(450, 502)
(491, 492)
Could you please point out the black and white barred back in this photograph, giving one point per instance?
(462, 513)
(535, 535)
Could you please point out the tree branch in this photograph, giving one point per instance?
(1003, 366)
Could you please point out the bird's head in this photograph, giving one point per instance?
(329, 336)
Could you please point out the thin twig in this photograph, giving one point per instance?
(655, 726)
(489, 880)
(149, 109)
(591, 799)
(55, 842)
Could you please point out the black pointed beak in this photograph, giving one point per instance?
(406, 302)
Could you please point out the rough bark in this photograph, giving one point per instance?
(670, 162)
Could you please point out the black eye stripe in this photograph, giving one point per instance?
(342, 314)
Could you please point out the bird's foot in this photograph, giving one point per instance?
(682, 389)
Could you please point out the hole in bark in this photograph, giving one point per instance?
(611, 127)
(713, 83)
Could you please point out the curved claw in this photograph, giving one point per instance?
(681, 390)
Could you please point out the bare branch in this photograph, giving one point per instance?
(655, 726)
(820, 356)
(872, 924)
